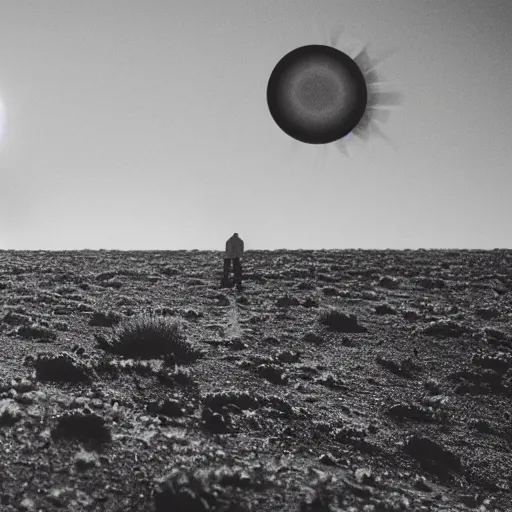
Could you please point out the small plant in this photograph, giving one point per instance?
(148, 336)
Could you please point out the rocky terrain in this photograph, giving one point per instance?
(334, 381)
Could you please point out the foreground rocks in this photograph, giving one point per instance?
(352, 380)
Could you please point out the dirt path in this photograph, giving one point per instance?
(233, 328)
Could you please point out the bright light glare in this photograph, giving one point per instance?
(3, 121)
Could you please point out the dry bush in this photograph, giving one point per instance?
(148, 336)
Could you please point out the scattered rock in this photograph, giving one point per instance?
(287, 301)
(236, 344)
(483, 426)
(286, 356)
(411, 412)
(306, 286)
(192, 314)
(499, 362)
(487, 313)
(85, 460)
(82, 426)
(23, 385)
(171, 407)
(432, 386)
(430, 283)
(62, 367)
(331, 381)
(432, 455)
(36, 332)
(339, 321)
(241, 399)
(445, 329)
(421, 484)
(310, 303)
(273, 373)
(313, 337)
(223, 300)
(389, 282)
(385, 309)
(410, 314)
(78, 402)
(328, 459)
(214, 421)
(10, 412)
(328, 291)
(105, 318)
(494, 336)
(364, 476)
(13, 318)
(405, 368)
(184, 490)
(27, 505)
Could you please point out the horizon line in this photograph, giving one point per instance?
(348, 249)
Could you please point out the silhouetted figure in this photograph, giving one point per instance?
(234, 251)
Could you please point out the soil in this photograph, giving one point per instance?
(333, 381)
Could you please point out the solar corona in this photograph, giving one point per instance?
(318, 94)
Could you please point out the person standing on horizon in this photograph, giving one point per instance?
(234, 251)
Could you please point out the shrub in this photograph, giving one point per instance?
(148, 336)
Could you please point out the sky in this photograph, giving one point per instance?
(144, 125)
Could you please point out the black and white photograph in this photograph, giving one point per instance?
(255, 256)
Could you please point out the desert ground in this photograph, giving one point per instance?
(334, 381)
